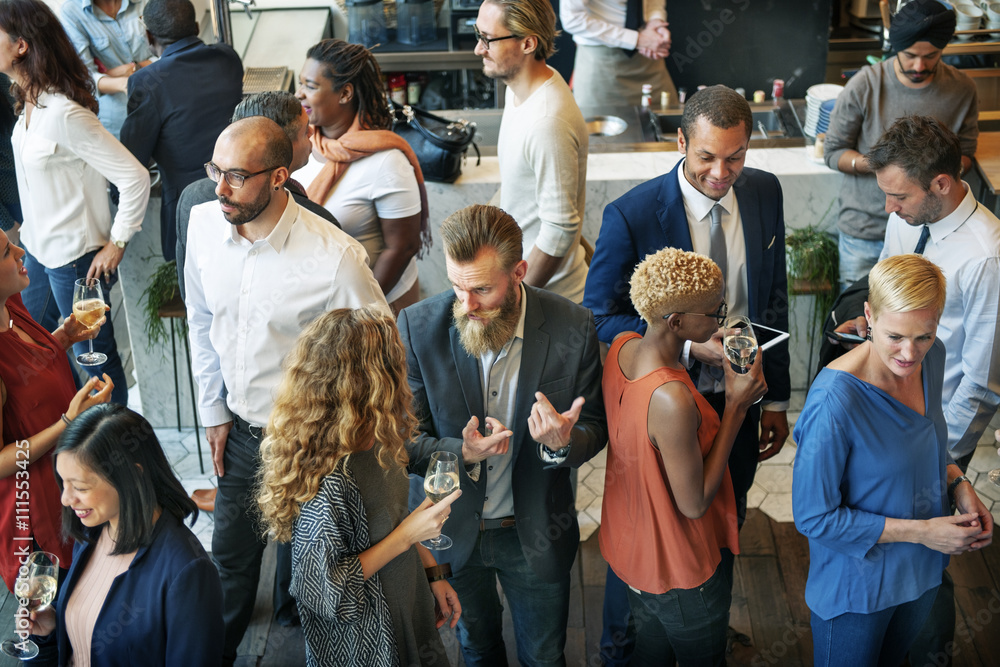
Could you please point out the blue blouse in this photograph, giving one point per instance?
(864, 456)
(113, 41)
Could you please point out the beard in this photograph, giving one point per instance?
(248, 212)
(498, 326)
(929, 211)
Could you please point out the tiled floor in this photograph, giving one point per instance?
(771, 492)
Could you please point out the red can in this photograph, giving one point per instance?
(778, 91)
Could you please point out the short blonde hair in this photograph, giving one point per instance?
(903, 283)
(531, 17)
(673, 281)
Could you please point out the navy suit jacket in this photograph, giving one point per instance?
(560, 357)
(651, 217)
(177, 108)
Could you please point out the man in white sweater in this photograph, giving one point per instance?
(542, 145)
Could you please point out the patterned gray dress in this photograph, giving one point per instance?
(385, 621)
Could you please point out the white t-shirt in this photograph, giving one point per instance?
(380, 186)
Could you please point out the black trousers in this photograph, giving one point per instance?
(237, 542)
(746, 449)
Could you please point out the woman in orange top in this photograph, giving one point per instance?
(667, 476)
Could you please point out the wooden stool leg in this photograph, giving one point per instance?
(194, 402)
(177, 385)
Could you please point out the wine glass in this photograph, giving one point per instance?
(35, 589)
(88, 306)
(441, 480)
(739, 342)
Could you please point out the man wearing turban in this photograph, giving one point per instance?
(912, 81)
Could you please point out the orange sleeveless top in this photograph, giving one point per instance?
(644, 537)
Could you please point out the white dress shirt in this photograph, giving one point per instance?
(248, 302)
(600, 22)
(64, 160)
(966, 246)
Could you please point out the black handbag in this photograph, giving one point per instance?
(440, 143)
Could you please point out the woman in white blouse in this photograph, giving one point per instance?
(363, 173)
(64, 158)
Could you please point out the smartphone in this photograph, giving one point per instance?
(845, 337)
(768, 337)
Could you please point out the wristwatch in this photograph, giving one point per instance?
(120, 244)
(954, 484)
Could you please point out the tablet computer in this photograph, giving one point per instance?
(768, 337)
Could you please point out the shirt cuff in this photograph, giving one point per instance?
(686, 355)
(774, 406)
(553, 240)
(215, 414)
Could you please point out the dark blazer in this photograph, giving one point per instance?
(166, 609)
(651, 216)
(559, 358)
(177, 108)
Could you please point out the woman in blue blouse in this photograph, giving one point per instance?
(141, 590)
(871, 482)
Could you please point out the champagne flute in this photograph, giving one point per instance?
(88, 306)
(440, 481)
(35, 588)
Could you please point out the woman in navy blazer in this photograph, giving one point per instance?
(126, 510)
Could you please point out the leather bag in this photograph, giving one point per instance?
(440, 143)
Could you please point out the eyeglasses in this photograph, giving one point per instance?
(719, 315)
(486, 41)
(234, 179)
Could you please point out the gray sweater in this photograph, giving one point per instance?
(874, 98)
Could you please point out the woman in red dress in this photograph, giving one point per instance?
(39, 398)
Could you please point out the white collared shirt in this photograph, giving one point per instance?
(698, 208)
(966, 246)
(64, 160)
(248, 302)
(601, 22)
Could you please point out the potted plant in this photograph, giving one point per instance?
(161, 290)
(812, 262)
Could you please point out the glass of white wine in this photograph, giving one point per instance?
(88, 306)
(35, 588)
(739, 342)
(440, 481)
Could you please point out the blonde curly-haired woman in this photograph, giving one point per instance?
(334, 484)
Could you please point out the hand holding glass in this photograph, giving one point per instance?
(35, 589)
(440, 481)
(88, 306)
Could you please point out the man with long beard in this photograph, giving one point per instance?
(259, 269)
(524, 364)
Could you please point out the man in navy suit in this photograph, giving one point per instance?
(709, 204)
(179, 105)
(507, 377)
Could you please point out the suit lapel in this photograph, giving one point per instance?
(753, 238)
(534, 351)
(671, 214)
(467, 369)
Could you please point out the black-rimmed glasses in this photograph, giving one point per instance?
(719, 315)
(489, 40)
(234, 179)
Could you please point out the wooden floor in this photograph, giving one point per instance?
(768, 606)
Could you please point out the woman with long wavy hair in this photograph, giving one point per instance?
(333, 483)
(64, 159)
(367, 176)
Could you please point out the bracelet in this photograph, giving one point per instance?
(438, 572)
(954, 483)
(854, 165)
(66, 419)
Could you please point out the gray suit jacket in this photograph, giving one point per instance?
(559, 358)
